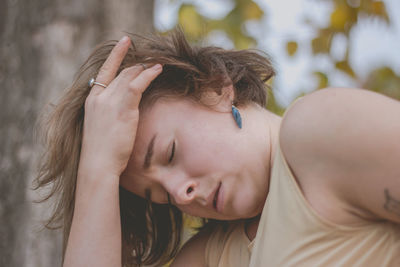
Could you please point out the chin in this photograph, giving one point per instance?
(234, 217)
(247, 212)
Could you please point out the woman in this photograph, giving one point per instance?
(318, 187)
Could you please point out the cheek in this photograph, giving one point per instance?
(209, 153)
(206, 146)
(199, 156)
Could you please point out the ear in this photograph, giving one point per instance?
(222, 102)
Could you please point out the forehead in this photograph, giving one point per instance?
(167, 112)
(158, 125)
(162, 118)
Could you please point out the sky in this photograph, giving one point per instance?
(374, 43)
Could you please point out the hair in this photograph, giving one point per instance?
(151, 233)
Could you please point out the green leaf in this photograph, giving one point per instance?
(291, 48)
(322, 43)
(376, 9)
(232, 26)
(346, 68)
(385, 81)
(339, 18)
(343, 18)
(191, 21)
(251, 11)
(323, 80)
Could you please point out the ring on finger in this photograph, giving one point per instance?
(143, 65)
(93, 82)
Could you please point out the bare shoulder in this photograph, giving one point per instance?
(337, 142)
(193, 252)
(319, 109)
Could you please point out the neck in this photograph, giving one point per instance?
(268, 127)
(274, 124)
(270, 124)
(264, 127)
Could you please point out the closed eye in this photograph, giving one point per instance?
(171, 157)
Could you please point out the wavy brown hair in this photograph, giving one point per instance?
(151, 232)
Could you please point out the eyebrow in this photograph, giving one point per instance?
(149, 153)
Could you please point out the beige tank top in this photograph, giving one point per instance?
(291, 233)
(229, 247)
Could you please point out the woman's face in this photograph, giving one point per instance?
(199, 159)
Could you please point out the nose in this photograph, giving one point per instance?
(182, 192)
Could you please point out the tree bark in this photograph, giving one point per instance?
(42, 44)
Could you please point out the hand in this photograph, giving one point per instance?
(112, 114)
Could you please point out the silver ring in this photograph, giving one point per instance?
(92, 82)
(143, 65)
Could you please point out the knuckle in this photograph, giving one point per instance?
(124, 72)
(139, 67)
(93, 101)
(134, 88)
(134, 68)
(104, 70)
(130, 70)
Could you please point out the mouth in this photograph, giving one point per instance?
(215, 200)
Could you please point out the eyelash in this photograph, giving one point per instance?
(172, 153)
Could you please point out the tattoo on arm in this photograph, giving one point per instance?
(391, 205)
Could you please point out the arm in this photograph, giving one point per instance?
(95, 236)
(110, 123)
(350, 141)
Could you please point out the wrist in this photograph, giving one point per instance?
(97, 172)
(100, 162)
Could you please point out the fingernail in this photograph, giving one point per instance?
(157, 67)
(124, 39)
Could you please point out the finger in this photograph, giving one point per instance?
(142, 81)
(110, 67)
(123, 79)
(128, 74)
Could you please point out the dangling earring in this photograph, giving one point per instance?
(236, 116)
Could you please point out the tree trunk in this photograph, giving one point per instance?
(42, 44)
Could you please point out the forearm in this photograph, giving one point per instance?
(95, 236)
(109, 132)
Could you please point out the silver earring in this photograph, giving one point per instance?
(236, 116)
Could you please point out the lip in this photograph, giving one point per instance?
(218, 199)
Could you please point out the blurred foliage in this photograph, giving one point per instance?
(385, 81)
(291, 48)
(345, 15)
(196, 26)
